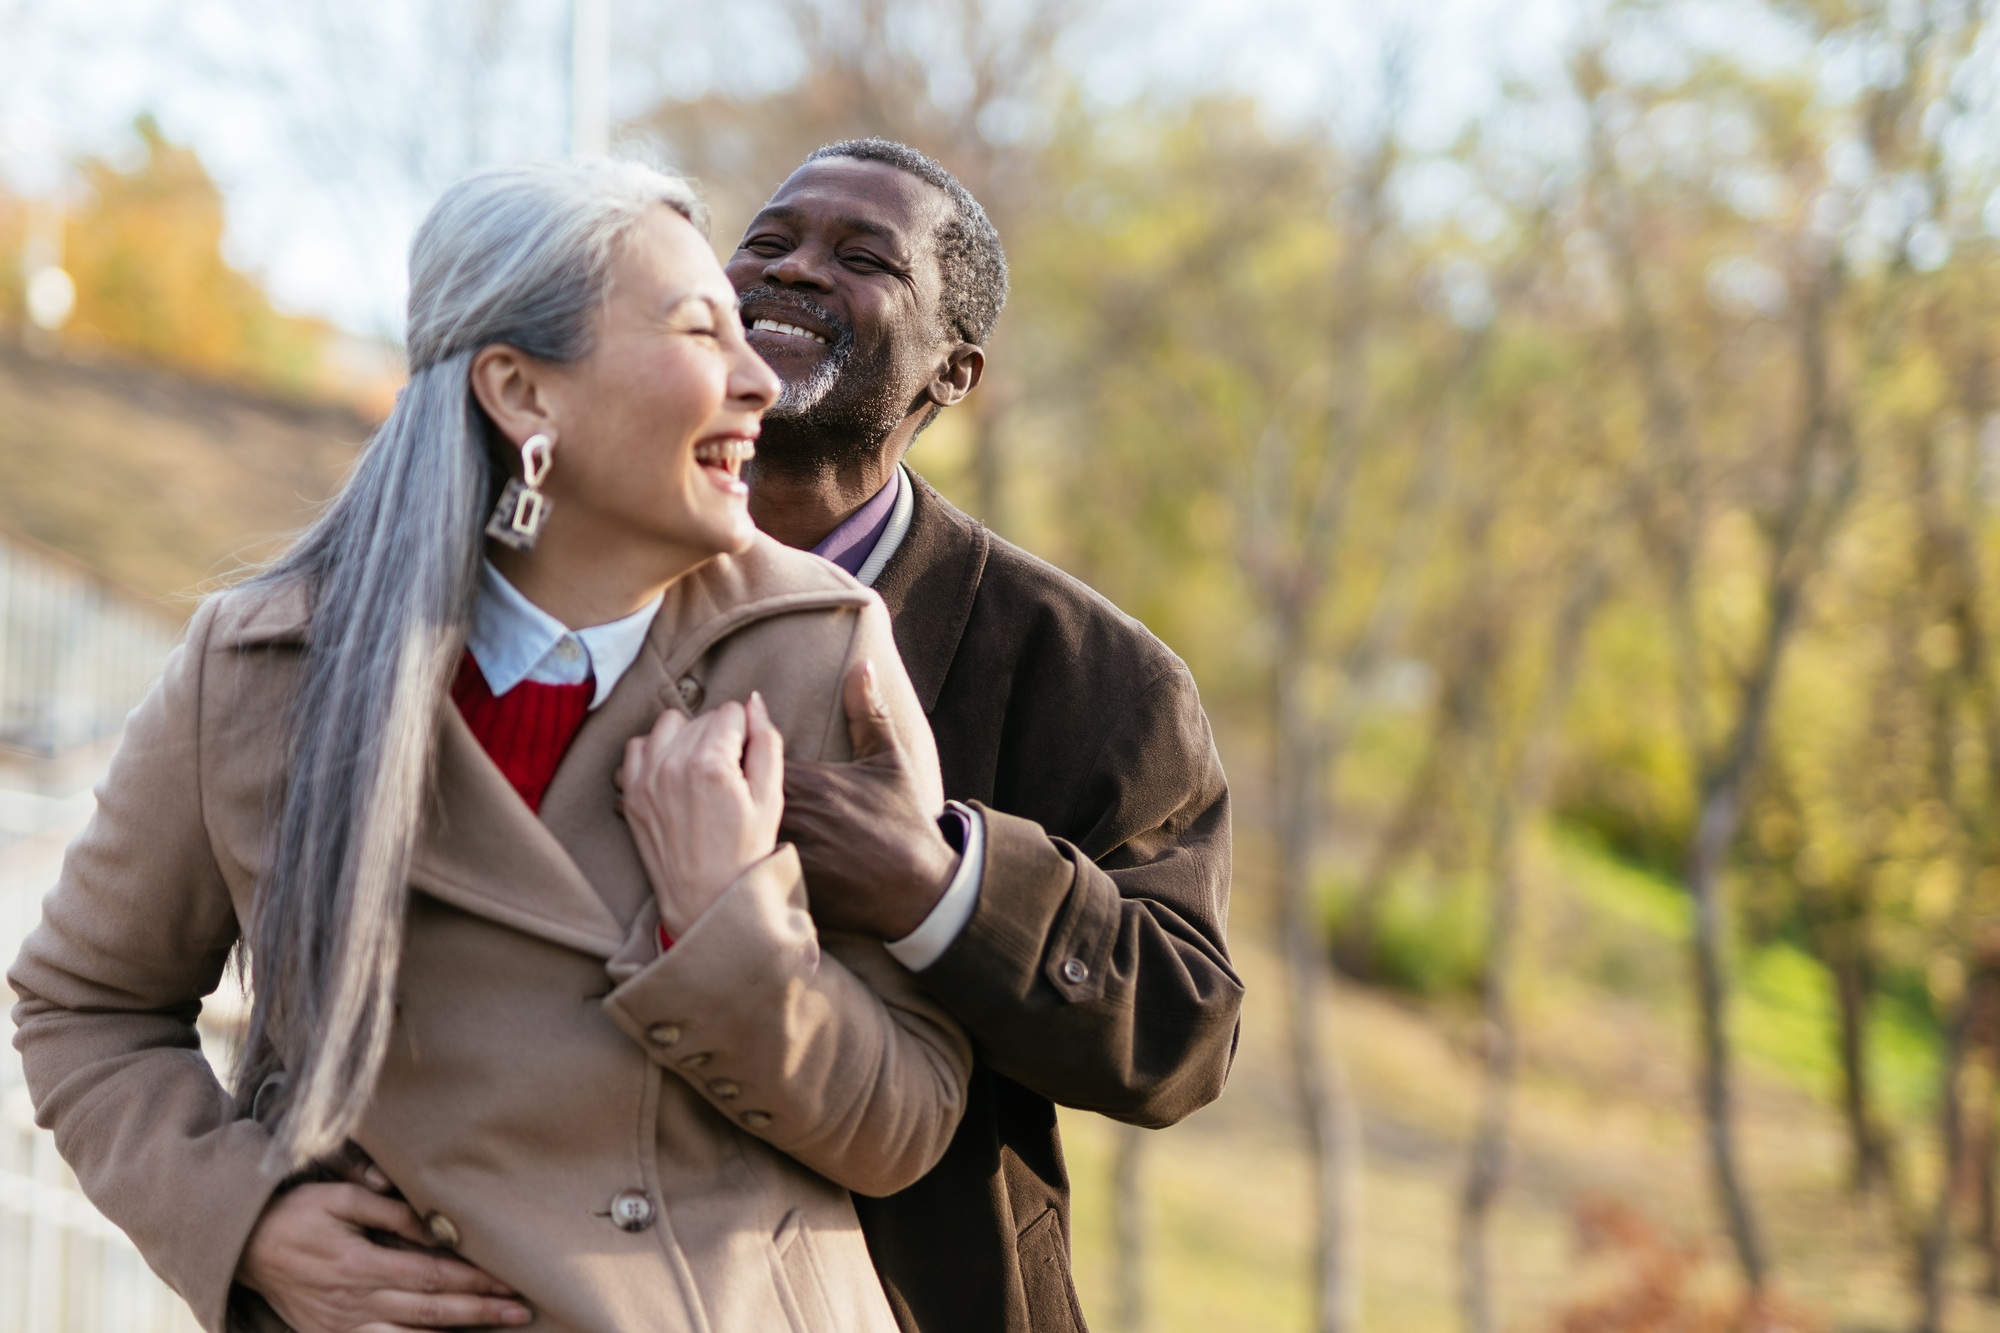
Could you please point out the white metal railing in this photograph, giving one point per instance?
(75, 654)
(74, 657)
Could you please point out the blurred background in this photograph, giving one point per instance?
(1562, 436)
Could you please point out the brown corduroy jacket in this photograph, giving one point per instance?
(632, 1140)
(1094, 971)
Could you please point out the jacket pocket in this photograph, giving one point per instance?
(805, 1287)
(1045, 1280)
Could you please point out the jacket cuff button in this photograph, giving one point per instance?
(726, 1089)
(1075, 971)
(756, 1119)
(664, 1034)
(695, 1061)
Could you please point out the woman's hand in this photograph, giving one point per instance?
(311, 1258)
(703, 798)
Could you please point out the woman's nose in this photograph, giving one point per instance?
(753, 385)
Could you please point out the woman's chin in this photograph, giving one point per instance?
(729, 528)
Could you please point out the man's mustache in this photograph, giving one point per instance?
(843, 332)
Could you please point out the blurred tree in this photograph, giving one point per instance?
(968, 82)
(145, 251)
(1755, 481)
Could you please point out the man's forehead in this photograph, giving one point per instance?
(869, 198)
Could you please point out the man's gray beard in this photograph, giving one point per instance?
(798, 398)
(836, 416)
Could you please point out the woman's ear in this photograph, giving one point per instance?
(509, 384)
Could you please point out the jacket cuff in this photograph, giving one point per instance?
(1044, 915)
(681, 1005)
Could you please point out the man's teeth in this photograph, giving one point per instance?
(725, 451)
(790, 330)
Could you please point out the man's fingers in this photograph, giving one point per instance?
(363, 1208)
(763, 756)
(411, 1309)
(431, 1273)
(357, 1168)
(869, 730)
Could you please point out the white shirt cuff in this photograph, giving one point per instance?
(927, 943)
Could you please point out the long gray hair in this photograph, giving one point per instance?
(519, 255)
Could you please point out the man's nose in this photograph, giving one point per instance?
(802, 267)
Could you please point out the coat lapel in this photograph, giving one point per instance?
(580, 809)
(483, 850)
(929, 586)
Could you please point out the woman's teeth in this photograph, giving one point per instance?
(730, 455)
(789, 330)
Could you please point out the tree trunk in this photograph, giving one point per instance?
(1981, 1160)
(1128, 1221)
(1518, 797)
(1322, 1092)
(989, 468)
(1721, 811)
(1489, 1141)
(1934, 1246)
(1868, 1162)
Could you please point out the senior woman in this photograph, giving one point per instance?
(603, 1052)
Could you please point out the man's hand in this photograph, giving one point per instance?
(310, 1257)
(874, 859)
(702, 798)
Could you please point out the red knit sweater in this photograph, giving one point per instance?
(526, 730)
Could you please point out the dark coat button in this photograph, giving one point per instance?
(690, 692)
(664, 1034)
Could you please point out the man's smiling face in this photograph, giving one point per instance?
(840, 287)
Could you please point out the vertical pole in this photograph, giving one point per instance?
(1128, 1220)
(45, 1240)
(589, 78)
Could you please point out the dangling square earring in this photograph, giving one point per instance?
(523, 509)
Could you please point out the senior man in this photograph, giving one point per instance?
(1070, 907)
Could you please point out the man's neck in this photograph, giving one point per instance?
(800, 506)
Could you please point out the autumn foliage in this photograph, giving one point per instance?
(144, 244)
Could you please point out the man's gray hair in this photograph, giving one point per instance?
(519, 255)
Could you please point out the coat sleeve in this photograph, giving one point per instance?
(824, 1047)
(136, 932)
(1096, 972)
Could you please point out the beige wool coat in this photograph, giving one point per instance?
(633, 1140)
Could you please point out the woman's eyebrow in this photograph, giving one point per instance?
(709, 299)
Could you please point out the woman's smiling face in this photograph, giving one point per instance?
(653, 426)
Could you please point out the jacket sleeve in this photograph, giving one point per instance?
(1096, 972)
(827, 1050)
(824, 1047)
(137, 930)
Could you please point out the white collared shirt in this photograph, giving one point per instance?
(513, 640)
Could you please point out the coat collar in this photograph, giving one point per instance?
(929, 586)
(571, 876)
